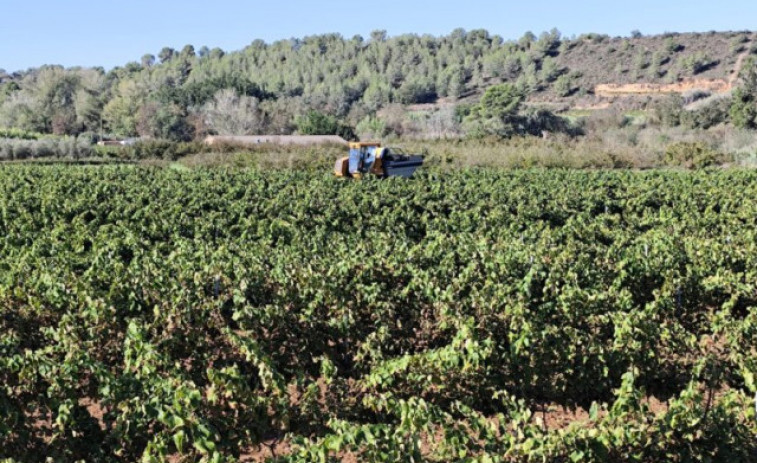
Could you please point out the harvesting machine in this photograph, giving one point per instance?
(372, 158)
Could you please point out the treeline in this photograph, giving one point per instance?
(280, 88)
(330, 84)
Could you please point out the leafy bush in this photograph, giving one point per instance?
(160, 149)
(707, 115)
(671, 46)
(743, 110)
(540, 122)
(20, 134)
(668, 111)
(564, 86)
(417, 90)
(48, 147)
(316, 123)
(695, 95)
(692, 155)
(697, 63)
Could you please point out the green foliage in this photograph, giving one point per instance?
(417, 90)
(550, 70)
(707, 115)
(693, 155)
(540, 121)
(315, 123)
(672, 46)
(672, 111)
(170, 122)
(165, 96)
(640, 63)
(743, 109)
(377, 95)
(160, 315)
(500, 102)
(669, 110)
(290, 77)
(497, 112)
(45, 147)
(20, 134)
(196, 93)
(564, 86)
(54, 100)
(7, 89)
(166, 54)
(371, 128)
(153, 150)
(148, 60)
(696, 63)
(548, 42)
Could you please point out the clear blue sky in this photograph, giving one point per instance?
(111, 33)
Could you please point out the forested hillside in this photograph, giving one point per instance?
(328, 82)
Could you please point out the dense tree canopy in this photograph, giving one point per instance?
(347, 79)
(174, 93)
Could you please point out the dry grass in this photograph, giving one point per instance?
(611, 143)
(268, 157)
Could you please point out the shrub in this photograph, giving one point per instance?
(564, 86)
(22, 150)
(417, 90)
(708, 115)
(695, 95)
(696, 63)
(692, 155)
(671, 46)
(44, 148)
(161, 149)
(541, 122)
(315, 123)
(20, 134)
(47, 147)
(743, 110)
(668, 111)
(108, 152)
(6, 151)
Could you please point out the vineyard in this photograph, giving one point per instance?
(485, 315)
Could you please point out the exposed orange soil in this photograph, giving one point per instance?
(714, 86)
